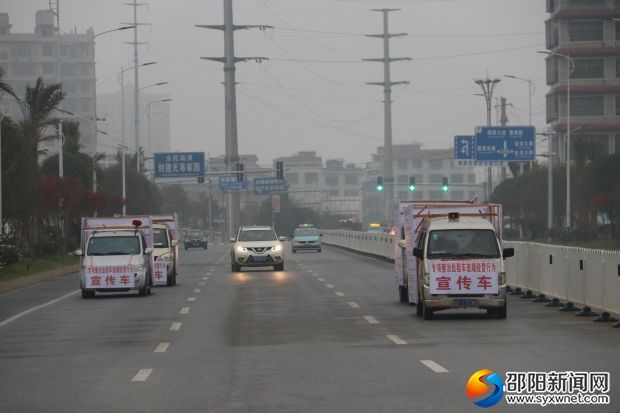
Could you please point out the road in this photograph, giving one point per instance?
(325, 335)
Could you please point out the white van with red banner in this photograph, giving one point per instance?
(116, 255)
(165, 249)
(449, 256)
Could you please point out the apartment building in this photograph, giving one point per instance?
(583, 39)
(68, 58)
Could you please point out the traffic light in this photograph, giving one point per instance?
(412, 183)
(444, 184)
(240, 172)
(379, 183)
(280, 170)
(201, 179)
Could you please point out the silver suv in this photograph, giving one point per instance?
(257, 247)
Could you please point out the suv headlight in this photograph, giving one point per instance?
(241, 249)
(277, 248)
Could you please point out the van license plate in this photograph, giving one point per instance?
(259, 258)
(466, 302)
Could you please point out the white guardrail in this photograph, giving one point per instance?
(586, 277)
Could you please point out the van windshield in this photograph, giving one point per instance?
(125, 245)
(462, 243)
(160, 240)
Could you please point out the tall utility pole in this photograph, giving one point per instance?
(388, 173)
(488, 85)
(136, 92)
(231, 143)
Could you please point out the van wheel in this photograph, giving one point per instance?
(499, 313)
(88, 294)
(418, 308)
(170, 280)
(427, 313)
(403, 294)
(146, 290)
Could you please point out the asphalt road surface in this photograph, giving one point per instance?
(325, 335)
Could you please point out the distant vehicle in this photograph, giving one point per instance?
(116, 255)
(306, 237)
(257, 246)
(377, 228)
(170, 253)
(196, 238)
(349, 224)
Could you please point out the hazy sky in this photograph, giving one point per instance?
(312, 94)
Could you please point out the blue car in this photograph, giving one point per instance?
(306, 238)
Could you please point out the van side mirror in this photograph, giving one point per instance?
(282, 239)
(321, 234)
(508, 252)
(232, 240)
(79, 252)
(418, 252)
(174, 243)
(148, 251)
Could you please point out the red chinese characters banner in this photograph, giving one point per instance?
(464, 277)
(110, 276)
(160, 273)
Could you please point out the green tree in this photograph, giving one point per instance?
(40, 101)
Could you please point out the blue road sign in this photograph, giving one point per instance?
(506, 143)
(230, 183)
(179, 164)
(464, 147)
(271, 185)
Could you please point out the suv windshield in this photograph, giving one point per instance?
(460, 243)
(305, 232)
(257, 235)
(160, 239)
(125, 245)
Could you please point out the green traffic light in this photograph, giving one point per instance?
(412, 188)
(379, 188)
(444, 188)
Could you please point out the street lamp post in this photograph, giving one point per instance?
(488, 85)
(569, 62)
(532, 91)
(148, 116)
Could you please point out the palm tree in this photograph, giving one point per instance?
(5, 87)
(39, 103)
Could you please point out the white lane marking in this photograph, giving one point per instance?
(434, 366)
(315, 274)
(209, 273)
(176, 326)
(196, 290)
(202, 283)
(191, 299)
(309, 271)
(329, 286)
(322, 279)
(161, 348)
(339, 294)
(184, 310)
(142, 375)
(370, 319)
(396, 339)
(38, 307)
(205, 278)
(353, 304)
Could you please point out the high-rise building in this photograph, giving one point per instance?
(583, 38)
(154, 121)
(68, 58)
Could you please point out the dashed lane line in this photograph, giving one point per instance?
(161, 348)
(184, 310)
(396, 340)
(142, 375)
(191, 299)
(202, 283)
(196, 290)
(176, 326)
(339, 294)
(353, 304)
(370, 319)
(434, 366)
(329, 286)
(322, 280)
(205, 278)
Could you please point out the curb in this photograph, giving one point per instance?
(28, 280)
(366, 254)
